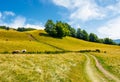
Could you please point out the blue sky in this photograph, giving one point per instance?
(98, 16)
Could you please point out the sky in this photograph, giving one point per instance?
(101, 17)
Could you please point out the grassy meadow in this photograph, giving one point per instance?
(39, 41)
(111, 62)
(62, 67)
(42, 68)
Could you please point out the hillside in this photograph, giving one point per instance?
(64, 67)
(38, 40)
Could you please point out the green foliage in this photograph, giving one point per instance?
(79, 33)
(100, 40)
(72, 31)
(59, 29)
(4, 27)
(119, 44)
(108, 41)
(85, 35)
(62, 29)
(82, 34)
(22, 29)
(93, 37)
(50, 28)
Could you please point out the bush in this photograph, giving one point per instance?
(5, 52)
(22, 29)
(97, 50)
(4, 27)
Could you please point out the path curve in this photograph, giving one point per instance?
(91, 72)
(106, 73)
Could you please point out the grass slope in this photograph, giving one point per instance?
(42, 68)
(110, 62)
(69, 43)
(69, 67)
(38, 40)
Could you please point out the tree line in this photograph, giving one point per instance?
(20, 29)
(61, 29)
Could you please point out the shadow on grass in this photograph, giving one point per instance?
(47, 35)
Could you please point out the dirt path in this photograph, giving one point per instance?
(95, 71)
(106, 73)
(91, 72)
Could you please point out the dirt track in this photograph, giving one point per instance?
(95, 71)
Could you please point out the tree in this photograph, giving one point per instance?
(79, 33)
(82, 34)
(7, 28)
(119, 44)
(50, 28)
(72, 31)
(85, 35)
(22, 29)
(108, 41)
(100, 40)
(4, 27)
(61, 29)
(93, 37)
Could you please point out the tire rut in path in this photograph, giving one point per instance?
(91, 72)
(106, 73)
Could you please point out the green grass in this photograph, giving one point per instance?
(42, 68)
(67, 67)
(38, 40)
(69, 43)
(110, 62)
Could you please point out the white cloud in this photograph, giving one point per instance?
(34, 26)
(86, 10)
(21, 22)
(63, 3)
(17, 21)
(9, 13)
(111, 29)
(81, 9)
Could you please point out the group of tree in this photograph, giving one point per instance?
(22, 29)
(58, 29)
(4, 27)
(61, 29)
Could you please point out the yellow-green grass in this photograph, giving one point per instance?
(38, 40)
(50, 68)
(73, 44)
(30, 46)
(42, 68)
(12, 35)
(110, 62)
(13, 40)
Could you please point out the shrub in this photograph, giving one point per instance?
(97, 50)
(5, 52)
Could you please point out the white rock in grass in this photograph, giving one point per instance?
(38, 70)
